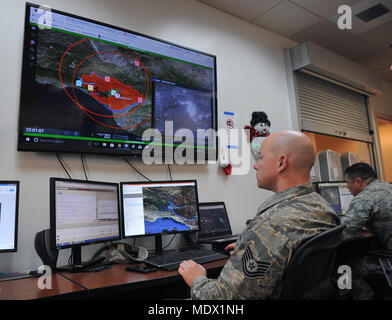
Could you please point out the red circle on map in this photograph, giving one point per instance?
(97, 114)
(85, 110)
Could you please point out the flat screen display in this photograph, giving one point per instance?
(83, 212)
(9, 200)
(94, 88)
(337, 194)
(162, 207)
(213, 219)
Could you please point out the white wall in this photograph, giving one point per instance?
(383, 102)
(251, 76)
(380, 104)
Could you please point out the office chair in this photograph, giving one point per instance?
(378, 283)
(310, 270)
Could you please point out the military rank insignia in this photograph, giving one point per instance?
(253, 268)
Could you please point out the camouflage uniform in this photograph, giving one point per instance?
(264, 249)
(371, 208)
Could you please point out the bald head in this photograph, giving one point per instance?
(286, 159)
(297, 146)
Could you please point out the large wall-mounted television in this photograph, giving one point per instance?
(90, 87)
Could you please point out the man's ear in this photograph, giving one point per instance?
(283, 163)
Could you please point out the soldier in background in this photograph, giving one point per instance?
(262, 252)
(369, 213)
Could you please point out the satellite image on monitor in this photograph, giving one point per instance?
(81, 82)
(170, 209)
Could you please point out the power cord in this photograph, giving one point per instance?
(130, 164)
(83, 165)
(62, 164)
(169, 242)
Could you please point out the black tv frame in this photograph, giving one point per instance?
(131, 153)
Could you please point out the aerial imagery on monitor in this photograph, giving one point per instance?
(81, 82)
(170, 209)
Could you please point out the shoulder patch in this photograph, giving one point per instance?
(253, 268)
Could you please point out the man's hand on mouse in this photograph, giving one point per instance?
(230, 247)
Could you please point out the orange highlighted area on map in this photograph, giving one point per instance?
(110, 92)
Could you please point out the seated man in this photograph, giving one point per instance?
(262, 252)
(370, 212)
(371, 208)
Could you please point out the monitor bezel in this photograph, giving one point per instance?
(162, 233)
(227, 215)
(317, 188)
(17, 183)
(52, 191)
(131, 153)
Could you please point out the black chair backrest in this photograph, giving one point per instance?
(312, 262)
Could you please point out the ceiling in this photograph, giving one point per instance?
(367, 43)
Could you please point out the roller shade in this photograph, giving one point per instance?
(330, 109)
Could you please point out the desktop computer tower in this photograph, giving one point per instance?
(348, 159)
(330, 166)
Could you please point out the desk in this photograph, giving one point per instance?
(115, 282)
(27, 289)
(112, 283)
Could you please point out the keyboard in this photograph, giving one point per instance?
(170, 260)
(14, 275)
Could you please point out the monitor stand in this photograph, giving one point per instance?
(158, 244)
(191, 244)
(77, 264)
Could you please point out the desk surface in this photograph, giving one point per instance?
(27, 289)
(116, 278)
(113, 280)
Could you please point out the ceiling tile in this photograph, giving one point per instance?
(325, 34)
(324, 8)
(388, 51)
(244, 9)
(386, 74)
(354, 49)
(376, 61)
(380, 37)
(287, 19)
(359, 26)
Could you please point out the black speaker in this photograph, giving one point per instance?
(42, 244)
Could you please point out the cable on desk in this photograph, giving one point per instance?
(130, 164)
(77, 283)
(62, 164)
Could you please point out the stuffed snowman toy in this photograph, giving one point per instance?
(259, 130)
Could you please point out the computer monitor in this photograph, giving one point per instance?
(83, 212)
(96, 88)
(337, 194)
(157, 208)
(9, 201)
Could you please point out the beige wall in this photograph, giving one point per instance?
(250, 76)
(382, 105)
(385, 135)
(324, 142)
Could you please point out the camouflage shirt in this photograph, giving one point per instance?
(265, 247)
(371, 208)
